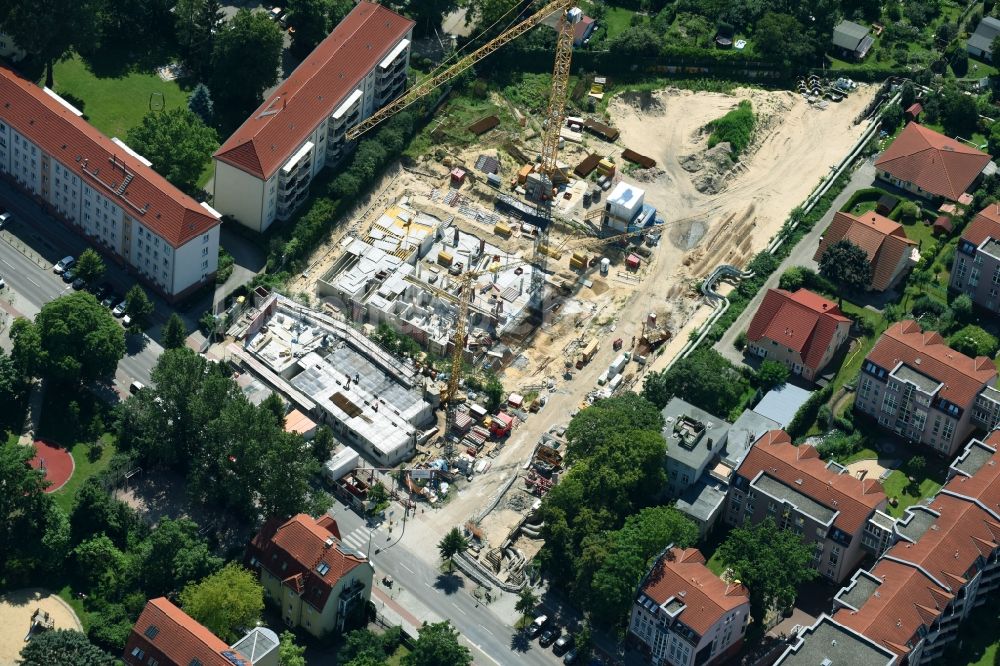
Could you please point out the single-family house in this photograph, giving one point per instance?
(890, 253)
(852, 41)
(980, 44)
(582, 30)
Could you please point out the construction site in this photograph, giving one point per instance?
(560, 253)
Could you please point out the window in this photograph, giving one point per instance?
(204, 239)
(151, 631)
(138, 653)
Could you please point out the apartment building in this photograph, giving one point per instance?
(828, 642)
(309, 574)
(975, 269)
(9, 49)
(684, 614)
(820, 501)
(942, 565)
(164, 635)
(263, 171)
(800, 329)
(931, 165)
(915, 385)
(104, 191)
(890, 253)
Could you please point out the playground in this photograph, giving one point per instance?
(28, 612)
(55, 461)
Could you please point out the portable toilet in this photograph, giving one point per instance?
(605, 265)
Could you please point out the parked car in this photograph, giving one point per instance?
(549, 636)
(5, 219)
(563, 645)
(79, 284)
(110, 300)
(101, 290)
(119, 309)
(64, 264)
(126, 321)
(135, 387)
(68, 276)
(571, 656)
(2, 282)
(536, 626)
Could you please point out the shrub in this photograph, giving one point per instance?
(741, 341)
(736, 128)
(908, 212)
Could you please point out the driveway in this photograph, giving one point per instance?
(801, 255)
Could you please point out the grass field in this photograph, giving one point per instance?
(115, 104)
(898, 485)
(84, 468)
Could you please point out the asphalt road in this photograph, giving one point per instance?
(36, 235)
(445, 596)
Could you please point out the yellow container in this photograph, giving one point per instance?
(444, 258)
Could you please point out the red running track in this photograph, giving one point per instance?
(56, 461)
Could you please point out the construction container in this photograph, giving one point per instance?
(615, 382)
(340, 464)
(457, 176)
(632, 262)
(493, 180)
(616, 365)
(603, 379)
(578, 261)
(502, 229)
(595, 194)
(445, 258)
(522, 174)
(617, 344)
(478, 412)
(606, 167)
(605, 265)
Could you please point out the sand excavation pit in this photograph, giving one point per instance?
(16, 608)
(796, 144)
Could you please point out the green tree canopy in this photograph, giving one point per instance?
(200, 104)
(89, 267)
(138, 307)
(705, 379)
(308, 18)
(225, 602)
(63, 646)
(73, 339)
(526, 601)
(438, 645)
(11, 380)
(846, 265)
(771, 374)
(783, 38)
(174, 334)
(48, 29)
(21, 501)
(96, 512)
(453, 543)
(362, 647)
(290, 654)
(973, 341)
(177, 142)
(606, 421)
(174, 556)
(245, 62)
(102, 567)
(197, 22)
(770, 562)
(959, 113)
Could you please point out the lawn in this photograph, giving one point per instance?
(977, 642)
(616, 21)
(899, 486)
(715, 565)
(863, 454)
(397, 657)
(84, 468)
(115, 105)
(66, 594)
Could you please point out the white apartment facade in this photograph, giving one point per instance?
(105, 191)
(263, 171)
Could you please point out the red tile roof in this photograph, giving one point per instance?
(986, 224)
(580, 29)
(681, 573)
(803, 321)
(883, 240)
(932, 161)
(801, 468)
(168, 634)
(963, 377)
(68, 138)
(356, 46)
(292, 551)
(984, 485)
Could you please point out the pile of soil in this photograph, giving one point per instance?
(711, 167)
(650, 175)
(645, 101)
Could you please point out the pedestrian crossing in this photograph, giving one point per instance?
(358, 539)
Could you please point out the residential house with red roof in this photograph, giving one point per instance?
(931, 165)
(943, 564)
(684, 614)
(164, 635)
(890, 253)
(104, 191)
(820, 501)
(263, 171)
(915, 385)
(315, 580)
(801, 329)
(975, 269)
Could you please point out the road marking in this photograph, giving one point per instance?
(485, 653)
(33, 282)
(457, 608)
(407, 568)
(487, 631)
(9, 264)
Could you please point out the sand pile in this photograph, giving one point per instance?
(649, 103)
(648, 175)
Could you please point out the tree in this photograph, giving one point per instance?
(338, 9)
(197, 21)
(962, 307)
(308, 19)
(200, 104)
(48, 29)
(783, 37)
(526, 601)
(11, 380)
(453, 543)
(245, 62)
(73, 339)
(770, 562)
(907, 94)
(363, 647)
(892, 117)
(101, 566)
(959, 113)
(95, 512)
(973, 341)
(604, 421)
(290, 654)
(21, 501)
(323, 444)
(89, 267)
(225, 601)
(174, 556)
(846, 265)
(63, 646)
(493, 388)
(438, 645)
(138, 307)
(771, 374)
(174, 335)
(705, 379)
(428, 14)
(177, 142)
